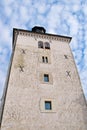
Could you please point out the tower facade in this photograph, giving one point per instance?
(43, 89)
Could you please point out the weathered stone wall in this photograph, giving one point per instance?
(24, 105)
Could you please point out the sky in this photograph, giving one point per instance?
(61, 17)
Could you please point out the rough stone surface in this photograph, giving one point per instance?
(24, 105)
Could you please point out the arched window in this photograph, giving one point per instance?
(40, 44)
(47, 45)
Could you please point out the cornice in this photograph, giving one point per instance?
(43, 36)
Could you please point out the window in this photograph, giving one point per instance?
(48, 105)
(40, 44)
(44, 45)
(46, 78)
(44, 59)
(47, 45)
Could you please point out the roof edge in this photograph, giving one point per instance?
(17, 29)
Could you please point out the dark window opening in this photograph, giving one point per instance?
(47, 45)
(48, 105)
(44, 59)
(66, 57)
(46, 78)
(40, 44)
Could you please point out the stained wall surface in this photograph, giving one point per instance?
(27, 92)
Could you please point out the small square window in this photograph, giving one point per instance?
(46, 77)
(48, 105)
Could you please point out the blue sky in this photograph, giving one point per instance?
(62, 17)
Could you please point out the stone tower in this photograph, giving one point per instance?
(43, 89)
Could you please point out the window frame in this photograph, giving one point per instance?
(53, 105)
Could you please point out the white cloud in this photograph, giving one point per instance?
(84, 79)
(73, 23)
(74, 43)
